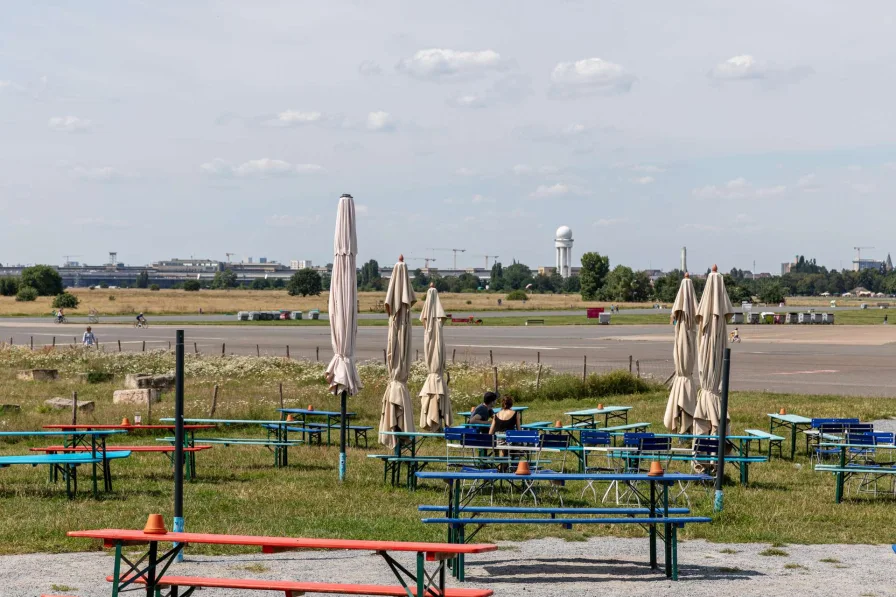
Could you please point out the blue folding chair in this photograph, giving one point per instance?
(591, 438)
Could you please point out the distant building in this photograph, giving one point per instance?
(262, 260)
(863, 264)
(563, 247)
(547, 271)
(300, 264)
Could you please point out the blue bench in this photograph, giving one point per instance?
(312, 433)
(359, 431)
(774, 441)
(67, 464)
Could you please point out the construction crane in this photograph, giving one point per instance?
(859, 252)
(425, 260)
(456, 251)
(495, 257)
(229, 255)
(68, 259)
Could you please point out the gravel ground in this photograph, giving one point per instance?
(541, 568)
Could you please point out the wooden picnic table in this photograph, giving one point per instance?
(657, 499)
(589, 415)
(793, 422)
(331, 415)
(151, 567)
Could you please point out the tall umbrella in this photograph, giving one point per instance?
(683, 397)
(398, 412)
(342, 374)
(435, 404)
(712, 331)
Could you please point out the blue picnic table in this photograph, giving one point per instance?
(657, 514)
(67, 463)
(793, 422)
(846, 468)
(589, 415)
(334, 418)
(279, 445)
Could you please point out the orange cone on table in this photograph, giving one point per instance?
(290, 418)
(558, 423)
(125, 422)
(783, 411)
(523, 468)
(310, 407)
(656, 469)
(155, 525)
(600, 406)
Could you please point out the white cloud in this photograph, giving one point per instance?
(863, 188)
(591, 76)
(465, 172)
(69, 124)
(294, 118)
(291, 221)
(808, 184)
(467, 101)
(481, 199)
(97, 174)
(559, 189)
(380, 121)
(574, 129)
(361, 209)
(608, 222)
(369, 68)
(435, 63)
(102, 223)
(730, 190)
(522, 169)
(643, 180)
(7, 85)
(771, 191)
(744, 219)
(890, 166)
(647, 168)
(261, 168)
(745, 67)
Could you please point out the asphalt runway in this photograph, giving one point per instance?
(841, 360)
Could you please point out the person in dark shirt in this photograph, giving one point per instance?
(483, 412)
(506, 418)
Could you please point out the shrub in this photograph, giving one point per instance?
(66, 300)
(192, 286)
(517, 295)
(566, 387)
(98, 376)
(469, 302)
(111, 297)
(44, 279)
(154, 287)
(26, 294)
(9, 286)
(104, 286)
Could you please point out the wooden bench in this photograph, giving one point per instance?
(295, 589)
(774, 441)
(535, 322)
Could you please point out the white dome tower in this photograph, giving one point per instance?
(563, 246)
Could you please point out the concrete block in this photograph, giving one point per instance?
(85, 406)
(140, 397)
(38, 375)
(142, 381)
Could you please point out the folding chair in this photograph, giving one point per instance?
(527, 443)
(483, 443)
(590, 438)
(826, 432)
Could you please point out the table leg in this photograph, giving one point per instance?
(151, 569)
(745, 466)
(674, 552)
(421, 574)
(93, 453)
(839, 493)
(116, 569)
(653, 525)
(792, 441)
(667, 530)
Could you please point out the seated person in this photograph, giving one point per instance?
(506, 418)
(483, 413)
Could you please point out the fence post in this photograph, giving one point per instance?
(630, 357)
(195, 348)
(495, 370)
(538, 357)
(287, 352)
(417, 358)
(538, 378)
(10, 340)
(32, 342)
(317, 353)
(211, 412)
(74, 408)
(584, 367)
(281, 394)
(54, 341)
(119, 346)
(144, 346)
(223, 348)
(491, 360)
(638, 366)
(169, 344)
(257, 351)
(453, 354)
(385, 359)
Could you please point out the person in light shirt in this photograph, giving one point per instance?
(88, 340)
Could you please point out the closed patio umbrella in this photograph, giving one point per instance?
(398, 412)
(342, 374)
(683, 397)
(435, 404)
(712, 333)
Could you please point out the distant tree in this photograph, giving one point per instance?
(467, 281)
(496, 281)
(66, 300)
(304, 282)
(277, 283)
(517, 295)
(154, 287)
(325, 281)
(42, 278)
(517, 276)
(665, 289)
(625, 285)
(26, 294)
(593, 275)
(370, 275)
(572, 284)
(420, 280)
(259, 284)
(142, 279)
(543, 283)
(9, 286)
(104, 285)
(224, 280)
(192, 285)
(737, 293)
(771, 293)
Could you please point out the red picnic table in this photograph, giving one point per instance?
(149, 569)
(190, 447)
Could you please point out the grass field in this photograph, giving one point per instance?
(239, 491)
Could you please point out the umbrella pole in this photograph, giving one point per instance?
(342, 425)
(723, 432)
(179, 437)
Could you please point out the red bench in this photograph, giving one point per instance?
(471, 320)
(160, 449)
(294, 588)
(421, 582)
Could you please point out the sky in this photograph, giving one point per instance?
(748, 132)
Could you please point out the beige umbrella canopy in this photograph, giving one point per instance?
(398, 412)
(683, 397)
(435, 404)
(712, 332)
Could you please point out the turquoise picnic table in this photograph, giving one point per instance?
(496, 410)
(793, 422)
(334, 418)
(279, 445)
(844, 470)
(406, 445)
(590, 415)
(67, 463)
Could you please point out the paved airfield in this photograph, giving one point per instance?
(846, 360)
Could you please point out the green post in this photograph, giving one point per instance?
(421, 574)
(116, 569)
(792, 441)
(839, 475)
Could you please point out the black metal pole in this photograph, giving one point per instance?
(723, 431)
(342, 425)
(179, 436)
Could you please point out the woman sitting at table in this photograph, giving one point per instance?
(506, 418)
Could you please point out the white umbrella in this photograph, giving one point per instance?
(435, 404)
(683, 397)
(342, 374)
(712, 331)
(398, 412)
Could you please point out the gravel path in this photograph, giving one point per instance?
(541, 568)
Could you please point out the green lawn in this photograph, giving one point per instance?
(239, 490)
